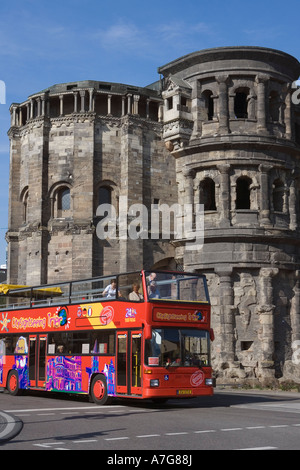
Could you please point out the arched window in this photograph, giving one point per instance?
(209, 104)
(278, 195)
(104, 195)
(274, 104)
(24, 200)
(241, 103)
(207, 194)
(61, 202)
(64, 200)
(243, 193)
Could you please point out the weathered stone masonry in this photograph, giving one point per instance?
(222, 131)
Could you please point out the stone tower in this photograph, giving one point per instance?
(75, 146)
(233, 131)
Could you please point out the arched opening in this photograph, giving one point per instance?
(241, 103)
(104, 195)
(274, 106)
(207, 194)
(209, 104)
(243, 193)
(63, 201)
(24, 200)
(278, 195)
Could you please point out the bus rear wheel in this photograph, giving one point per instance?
(98, 390)
(13, 383)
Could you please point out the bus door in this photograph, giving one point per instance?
(129, 362)
(136, 363)
(37, 360)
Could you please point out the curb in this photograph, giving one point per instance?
(10, 426)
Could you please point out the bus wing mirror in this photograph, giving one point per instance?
(211, 334)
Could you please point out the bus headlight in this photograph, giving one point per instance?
(154, 383)
(211, 382)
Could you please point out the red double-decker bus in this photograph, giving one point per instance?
(142, 335)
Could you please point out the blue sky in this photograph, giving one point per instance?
(43, 43)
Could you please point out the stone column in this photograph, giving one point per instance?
(82, 96)
(91, 100)
(227, 320)
(224, 195)
(43, 98)
(129, 103)
(223, 104)
(261, 81)
(264, 194)
(109, 105)
(136, 99)
(75, 101)
(160, 112)
(31, 108)
(265, 309)
(13, 115)
(292, 205)
(295, 309)
(61, 105)
(123, 105)
(288, 113)
(189, 175)
(39, 106)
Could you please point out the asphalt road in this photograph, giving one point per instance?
(230, 420)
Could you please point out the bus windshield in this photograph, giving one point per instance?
(176, 287)
(178, 347)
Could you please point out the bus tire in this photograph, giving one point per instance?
(98, 390)
(12, 383)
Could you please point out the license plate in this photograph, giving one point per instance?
(184, 392)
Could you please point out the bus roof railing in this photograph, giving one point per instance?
(66, 292)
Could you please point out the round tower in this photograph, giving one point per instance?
(233, 129)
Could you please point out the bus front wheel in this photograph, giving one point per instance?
(98, 390)
(13, 383)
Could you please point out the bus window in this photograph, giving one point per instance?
(178, 347)
(181, 287)
(130, 287)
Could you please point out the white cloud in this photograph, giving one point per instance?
(121, 35)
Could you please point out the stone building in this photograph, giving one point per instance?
(219, 129)
(75, 146)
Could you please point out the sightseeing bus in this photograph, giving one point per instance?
(143, 335)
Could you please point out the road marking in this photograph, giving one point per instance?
(150, 435)
(175, 433)
(231, 429)
(259, 448)
(49, 444)
(279, 426)
(84, 441)
(255, 427)
(115, 438)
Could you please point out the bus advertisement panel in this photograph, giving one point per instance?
(142, 334)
